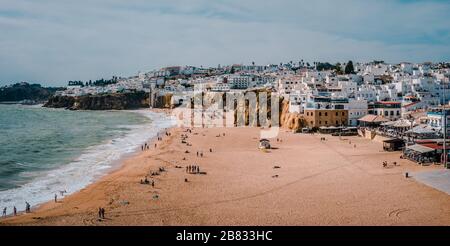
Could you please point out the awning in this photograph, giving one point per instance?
(420, 148)
(390, 123)
(402, 123)
(370, 118)
(394, 140)
(422, 130)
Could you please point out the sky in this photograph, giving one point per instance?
(52, 42)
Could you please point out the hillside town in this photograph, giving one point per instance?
(405, 103)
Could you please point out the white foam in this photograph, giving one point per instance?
(93, 163)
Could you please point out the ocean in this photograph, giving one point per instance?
(44, 151)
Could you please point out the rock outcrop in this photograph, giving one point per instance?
(292, 121)
(100, 102)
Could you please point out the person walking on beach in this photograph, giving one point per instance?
(4, 212)
(56, 198)
(99, 212)
(103, 213)
(15, 211)
(27, 207)
(153, 183)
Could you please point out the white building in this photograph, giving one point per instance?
(356, 110)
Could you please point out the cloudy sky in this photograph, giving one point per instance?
(52, 42)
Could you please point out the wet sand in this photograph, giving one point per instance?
(317, 183)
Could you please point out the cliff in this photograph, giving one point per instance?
(292, 121)
(24, 91)
(100, 102)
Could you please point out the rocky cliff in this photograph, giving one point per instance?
(292, 121)
(100, 102)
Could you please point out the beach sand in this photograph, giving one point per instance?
(318, 183)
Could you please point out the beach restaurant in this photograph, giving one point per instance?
(371, 120)
(396, 128)
(427, 150)
(330, 129)
(422, 132)
(421, 154)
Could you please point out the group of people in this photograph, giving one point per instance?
(192, 169)
(146, 181)
(323, 139)
(145, 147)
(14, 211)
(101, 213)
(385, 164)
(200, 154)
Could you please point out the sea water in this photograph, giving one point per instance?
(44, 151)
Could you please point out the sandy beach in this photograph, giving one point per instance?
(302, 181)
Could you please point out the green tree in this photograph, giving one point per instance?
(349, 68)
(338, 68)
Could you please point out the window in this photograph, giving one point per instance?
(398, 112)
(307, 113)
(337, 123)
(392, 113)
(320, 122)
(343, 113)
(386, 113)
(326, 122)
(312, 123)
(320, 113)
(337, 113)
(326, 114)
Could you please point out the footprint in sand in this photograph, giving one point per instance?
(397, 212)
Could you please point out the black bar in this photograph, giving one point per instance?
(131, 235)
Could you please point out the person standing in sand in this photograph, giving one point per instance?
(4, 212)
(56, 198)
(15, 211)
(27, 207)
